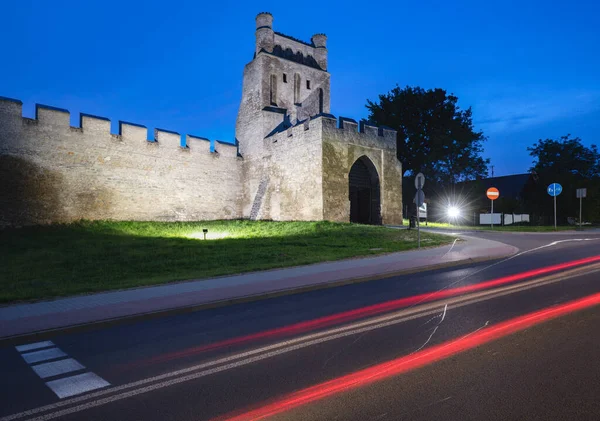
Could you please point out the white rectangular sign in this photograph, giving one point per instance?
(489, 218)
(581, 193)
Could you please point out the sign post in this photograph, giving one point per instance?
(419, 200)
(581, 193)
(554, 190)
(492, 193)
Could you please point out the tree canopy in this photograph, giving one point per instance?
(565, 158)
(434, 136)
(572, 164)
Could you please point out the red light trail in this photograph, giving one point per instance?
(411, 362)
(371, 310)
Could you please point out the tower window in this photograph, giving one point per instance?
(308, 84)
(273, 93)
(320, 100)
(284, 78)
(296, 88)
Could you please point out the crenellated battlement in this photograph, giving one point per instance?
(341, 128)
(365, 130)
(53, 119)
(313, 53)
(226, 149)
(92, 123)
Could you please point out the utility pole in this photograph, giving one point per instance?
(580, 199)
(419, 200)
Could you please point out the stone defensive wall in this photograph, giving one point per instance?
(316, 155)
(53, 172)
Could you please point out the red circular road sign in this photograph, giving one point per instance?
(492, 193)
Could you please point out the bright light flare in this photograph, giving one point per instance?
(414, 361)
(453, 212)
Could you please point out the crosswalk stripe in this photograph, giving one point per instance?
(46, 354)
(37, 345)
(76, 385)
(56, 368)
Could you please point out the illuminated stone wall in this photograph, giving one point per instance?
(52, 172)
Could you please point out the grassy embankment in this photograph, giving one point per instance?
(67, 259)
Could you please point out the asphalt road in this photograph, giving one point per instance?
(170, 368)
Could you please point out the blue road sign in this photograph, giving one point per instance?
(554, 189)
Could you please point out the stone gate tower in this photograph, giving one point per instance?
(299, 163)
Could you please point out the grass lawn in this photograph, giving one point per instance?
(514, 228)
(66, 259)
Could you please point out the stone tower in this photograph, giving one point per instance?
(286, 82)
(299, 162)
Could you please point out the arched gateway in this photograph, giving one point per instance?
(364, 192)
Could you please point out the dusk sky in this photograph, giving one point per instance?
(529, 69)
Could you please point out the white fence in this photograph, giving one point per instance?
(511, 218)
(488, 218)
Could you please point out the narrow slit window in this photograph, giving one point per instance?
(296, 88)
(284, 78)
(273, 96)
(308, 84)
(320, 100)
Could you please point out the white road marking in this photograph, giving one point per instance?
(288, 346)
(46, 354)
(76, 385)
(63, 387)
(56, 368)
(31, 347)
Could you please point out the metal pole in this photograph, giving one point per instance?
(580, 199)
(555, 211)
(492, 215)
(418, 224)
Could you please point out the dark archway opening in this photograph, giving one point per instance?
(364, 192)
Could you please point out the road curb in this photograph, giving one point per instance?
(48, 333)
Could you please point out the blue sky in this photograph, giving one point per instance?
(529, 69)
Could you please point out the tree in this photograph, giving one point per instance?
(434, 136)
(565, 158)
(572, 164)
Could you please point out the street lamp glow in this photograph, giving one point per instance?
(453, 212)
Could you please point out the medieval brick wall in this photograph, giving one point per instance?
(53, 172)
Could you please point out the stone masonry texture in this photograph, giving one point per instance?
(291, 159)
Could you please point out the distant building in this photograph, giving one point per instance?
(515, 192)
